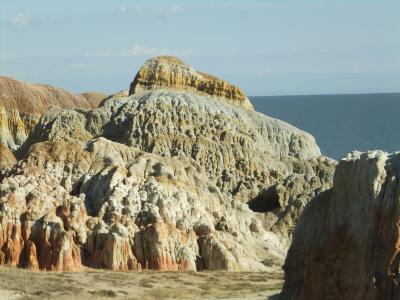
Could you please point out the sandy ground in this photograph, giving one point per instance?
(146, 285)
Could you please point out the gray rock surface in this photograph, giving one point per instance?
(346, 243)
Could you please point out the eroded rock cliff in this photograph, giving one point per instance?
(346, 244)
(165, 178)
(145, 211)
(22, 104)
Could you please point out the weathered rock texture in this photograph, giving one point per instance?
(144, 211)
(160, 179)
(171, 72)
(22, 104)
(241, 151)
(7, 159)
(347, 242)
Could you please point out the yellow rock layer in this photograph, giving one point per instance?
(170, 72)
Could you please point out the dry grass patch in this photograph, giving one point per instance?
(146, 285)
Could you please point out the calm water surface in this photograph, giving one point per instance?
(340, 123)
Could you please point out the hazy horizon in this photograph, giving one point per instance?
(249, 96)
(267, 48)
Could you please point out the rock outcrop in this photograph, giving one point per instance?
(22, 104)
(7, 159)
(163, 179)
(145, 211)
(170, 72)
(242, 152)
(346, 243)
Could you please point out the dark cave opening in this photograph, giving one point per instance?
(76, 189)
(266, 200)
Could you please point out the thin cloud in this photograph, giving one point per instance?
(138, 50)
(175, 8)
(152, 10)
(123, 9)
(144, 51)
(20, 19)
(135, 50)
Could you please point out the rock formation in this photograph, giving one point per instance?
(171, 72)
(7, 158)
(145, 211)
(347, 242)
(163, 179)
(93, 98)
(22, 104)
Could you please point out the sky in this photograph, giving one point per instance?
(269, 47)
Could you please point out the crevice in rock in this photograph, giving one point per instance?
(199, 257)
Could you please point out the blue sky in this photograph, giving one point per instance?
(270, 47)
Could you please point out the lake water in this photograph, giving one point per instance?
(340, 123)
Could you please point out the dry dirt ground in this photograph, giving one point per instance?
(146, 285)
